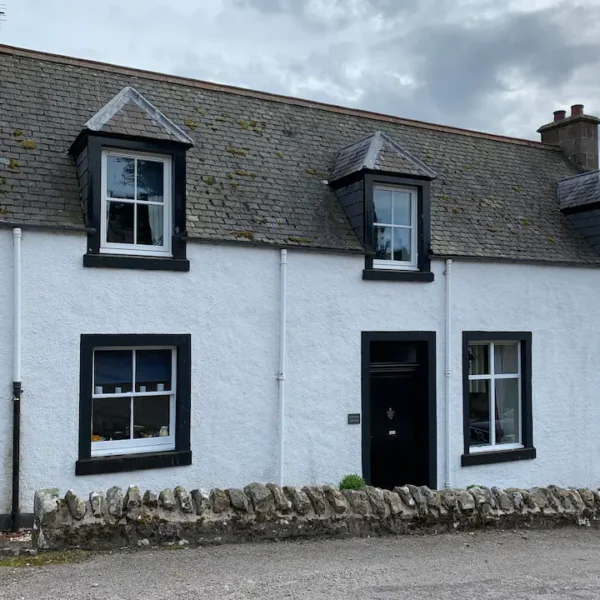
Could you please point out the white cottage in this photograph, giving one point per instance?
(205, 286)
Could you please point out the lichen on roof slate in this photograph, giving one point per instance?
(491, 198)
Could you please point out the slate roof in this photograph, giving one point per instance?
(129, 113)
(377, 152)
(579, 190)
(257, 168)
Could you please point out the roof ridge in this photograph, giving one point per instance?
(180, 80)
(595, 171)
(360, 141)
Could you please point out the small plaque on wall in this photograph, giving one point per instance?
(354, 419)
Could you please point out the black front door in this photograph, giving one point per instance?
(398, 413)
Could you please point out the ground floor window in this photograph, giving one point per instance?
(134, 401)
(497, 397)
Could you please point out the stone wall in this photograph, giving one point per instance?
(268, 512)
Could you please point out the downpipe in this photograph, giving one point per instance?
(282, 359)
(448, 371)
(17, 388)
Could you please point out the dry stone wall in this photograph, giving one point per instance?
(267, 512)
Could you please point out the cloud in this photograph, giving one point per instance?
(497, 66)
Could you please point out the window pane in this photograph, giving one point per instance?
(383, 243)
(402, 244)
(507, 411)
(111, 419)
(479, 412)
(152, 370)
(151, 417)
(506, 358)
(119, 226)
(150, 229)
(150, 180)
(113, 371)
(401, 208)
(479, 359)
(383, 205)
(119, 177)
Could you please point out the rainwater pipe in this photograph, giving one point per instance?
(448, 370)
(17, 390)
(282, 356)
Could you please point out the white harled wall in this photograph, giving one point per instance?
(229, 303)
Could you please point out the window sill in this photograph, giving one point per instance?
(133, 462)
(150, 263)
(488, 458)
(396, 275)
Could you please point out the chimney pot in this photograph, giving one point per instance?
(576, 109)
(559, 115)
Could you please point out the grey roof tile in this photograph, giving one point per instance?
(129, 113)
(258, 164)
(379, 152)
(579, 190)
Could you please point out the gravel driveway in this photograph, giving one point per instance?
(560, 564)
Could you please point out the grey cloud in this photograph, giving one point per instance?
(483, 64)
(463, 72)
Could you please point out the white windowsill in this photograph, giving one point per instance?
(496, 448)
(130, 250)
(115, 448)
(390, 265)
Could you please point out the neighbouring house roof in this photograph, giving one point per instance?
(377, 152)
(258, 169)
(579, 190)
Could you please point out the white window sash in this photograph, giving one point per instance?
(138, 445)
(136, 249)
(401, 265)
(492, 377)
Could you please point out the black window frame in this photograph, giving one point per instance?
(497, 456)
(423, 187)
(96, 144)
(181, 455)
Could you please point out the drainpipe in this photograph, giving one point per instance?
(282, 353)
(447, 370)
(17, 234)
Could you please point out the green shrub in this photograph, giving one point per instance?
(352, 482)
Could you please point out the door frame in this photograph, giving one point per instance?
(429, 337)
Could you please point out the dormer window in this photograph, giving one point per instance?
(131, 168)
(136, 204)
(384, 191)
(395, 227)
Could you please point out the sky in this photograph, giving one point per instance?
(501, 66)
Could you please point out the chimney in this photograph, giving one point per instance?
(577, 136)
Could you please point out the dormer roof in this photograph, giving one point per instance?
(579, 191)
(378, 152)
(130, 114)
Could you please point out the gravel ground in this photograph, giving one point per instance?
(560, 564)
